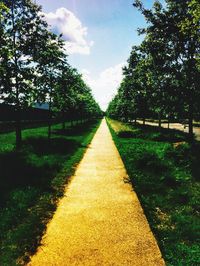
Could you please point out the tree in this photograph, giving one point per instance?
(64, 100)
(34, 67)
(4, 54)
(177, 28)
(20, 24)
(131, 101)
(73, 98)
(50, 61)
(163, 73)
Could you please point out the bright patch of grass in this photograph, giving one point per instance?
(166, 179)
(126, 130)
(31, 182)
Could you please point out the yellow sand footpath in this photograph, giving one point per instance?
(99, 221)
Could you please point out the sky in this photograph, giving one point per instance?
(99, 35)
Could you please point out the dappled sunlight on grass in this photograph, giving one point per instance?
(149, 132)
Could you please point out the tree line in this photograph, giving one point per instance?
(34, 67)
(162, 77)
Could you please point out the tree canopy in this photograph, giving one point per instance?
(161, 79)
(34, 66)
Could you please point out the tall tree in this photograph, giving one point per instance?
(4, 54)
(50, 60)
(177, 28)
(20, 24)
(65, 100)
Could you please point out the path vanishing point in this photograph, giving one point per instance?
(99, 221)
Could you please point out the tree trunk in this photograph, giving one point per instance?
(18, 109)
(135, 121)
(49, 121)
(18, 129)
(168, 123)
(49, 130)
(159, 121)
(143, 121)
(63, 125)
(191, 86)
(63, 121)
(190, 122)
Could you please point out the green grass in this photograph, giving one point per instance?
(166, 179)
(148, 132)
(31, 182)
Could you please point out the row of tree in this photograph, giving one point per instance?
(162, 76)
(34, 66)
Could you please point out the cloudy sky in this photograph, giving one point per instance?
(99, 35)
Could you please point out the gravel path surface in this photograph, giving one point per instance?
(99, 221)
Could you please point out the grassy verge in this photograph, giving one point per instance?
(166, 179)
(31, 182)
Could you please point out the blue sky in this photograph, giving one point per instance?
(99, 35)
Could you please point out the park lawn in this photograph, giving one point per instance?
(166, 178)
(31, 182)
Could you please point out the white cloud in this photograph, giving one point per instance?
(104, 87)
(74, 33)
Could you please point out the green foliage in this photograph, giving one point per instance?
(166, 179)
(161, 79)
(3, 8)
(34, 67)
